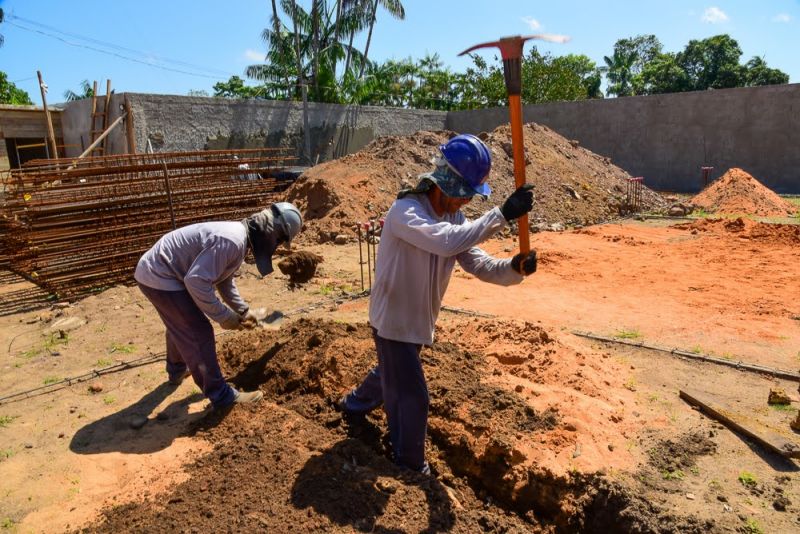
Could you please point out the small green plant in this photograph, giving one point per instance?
(697, 349)
(119, 347)
(714, 485)
(51, 380)
(747, 479)
(326, 289)
(55, 339)
(109, 399)
(783, 407)
(6, 420)
(194, 391)
(630, 384)
(694, 470)
(7, 523)
(673, 475)
(103, 362)
(628, 334)
(6, 453)
(751, 526)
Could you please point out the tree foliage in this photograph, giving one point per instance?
(87, 91)
(11, 94)
(640, 67)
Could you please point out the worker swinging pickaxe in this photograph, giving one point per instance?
(511, 52)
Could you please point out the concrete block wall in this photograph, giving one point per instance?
(667, 138)
(173, 123)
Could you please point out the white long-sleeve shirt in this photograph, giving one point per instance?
(417, 253)
(198, 258)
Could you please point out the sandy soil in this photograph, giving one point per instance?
(532, 428)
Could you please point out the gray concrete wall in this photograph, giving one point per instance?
(667, 138)
(76, 125)
(173, 123)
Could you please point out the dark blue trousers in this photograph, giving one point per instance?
(190, 343)
(399, 383)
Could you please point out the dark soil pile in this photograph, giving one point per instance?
(784, 234)
(738, 192)
(574, 186)
(300, 267)
(293, 464)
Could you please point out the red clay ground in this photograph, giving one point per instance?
(531, 428)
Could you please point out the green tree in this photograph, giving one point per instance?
(235, 88)
(586, 69)
(712, 63)
(662, 75)
(395, 9)
(619, 72)
(11, 94)
(86, 92)
(757, 73)
(644, 47)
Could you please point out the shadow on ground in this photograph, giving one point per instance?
(114, 433)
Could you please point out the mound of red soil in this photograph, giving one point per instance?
(292, 463)
(573, 185)
(785, 234)
(738, 192)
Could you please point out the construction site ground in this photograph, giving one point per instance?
(532, 428)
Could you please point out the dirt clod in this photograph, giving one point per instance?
(300, 267)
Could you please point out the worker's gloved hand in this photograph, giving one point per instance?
(518, 203)
(232, 322)
(249, 320)
(524, 261)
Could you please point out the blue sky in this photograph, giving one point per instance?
(197, 43)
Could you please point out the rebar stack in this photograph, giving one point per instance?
(76, 225)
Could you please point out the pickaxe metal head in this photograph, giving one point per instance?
(511, 52)
(511, 47)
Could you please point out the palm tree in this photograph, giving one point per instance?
(88, 92)
(619, 71)
(395, 9)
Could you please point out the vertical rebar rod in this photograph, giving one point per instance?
(374, 225)
(369, 265)
(360, 257)
(169, 196)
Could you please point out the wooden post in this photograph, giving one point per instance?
(51, 135)
(106, 109)
(130, 130)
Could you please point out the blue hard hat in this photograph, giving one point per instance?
(471, 160)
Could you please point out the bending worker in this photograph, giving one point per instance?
(179, 275)
(424, 234)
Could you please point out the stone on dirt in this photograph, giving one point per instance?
(778, 396)
(300, 267)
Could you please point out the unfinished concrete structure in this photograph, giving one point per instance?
(23, 134)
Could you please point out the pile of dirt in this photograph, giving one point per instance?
(294, 462)
(736, 191)
(784, 234)
(574, 186)
(300, 267)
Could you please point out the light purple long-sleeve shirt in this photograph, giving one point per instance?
(197, 258)
(417, 253)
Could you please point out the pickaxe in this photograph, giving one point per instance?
(511, 52)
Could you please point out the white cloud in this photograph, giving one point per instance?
(532, 22)
(782, 17)
(254, 55)
(714, 15)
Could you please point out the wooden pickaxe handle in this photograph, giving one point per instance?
(511, 52)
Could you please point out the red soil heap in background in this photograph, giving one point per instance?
(738, 192)
(573, 185)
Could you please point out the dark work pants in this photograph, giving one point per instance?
(399, 382)
(190, 343)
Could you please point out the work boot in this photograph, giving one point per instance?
(248, 397)
(178, 380)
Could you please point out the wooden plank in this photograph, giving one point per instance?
(51, 135)
(767, 438)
